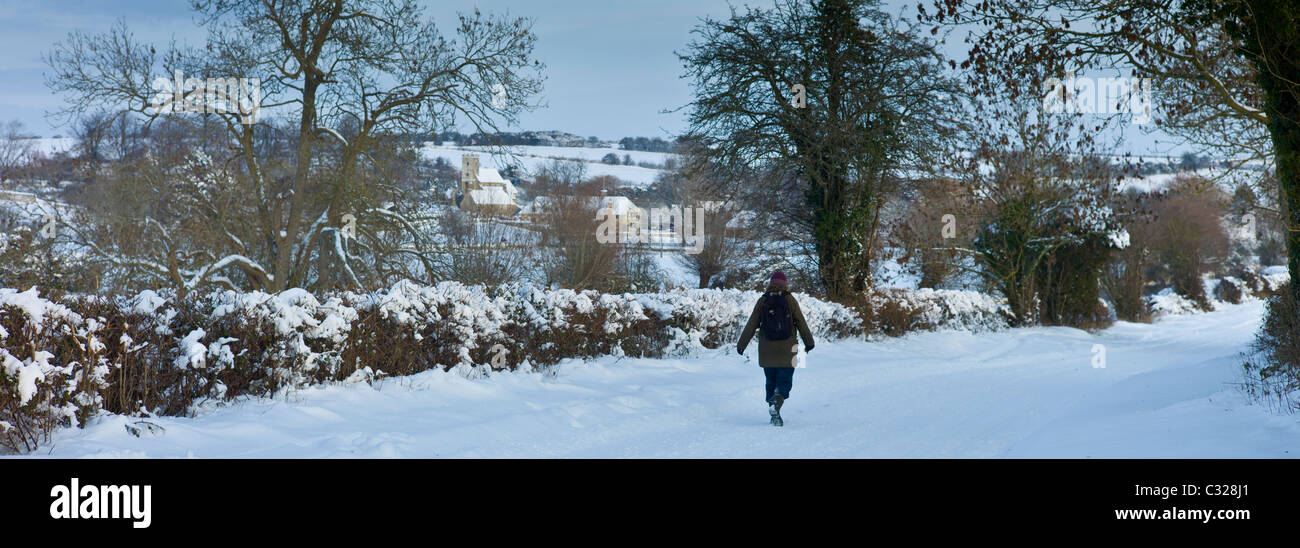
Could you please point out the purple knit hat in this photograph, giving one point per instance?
(778, 277)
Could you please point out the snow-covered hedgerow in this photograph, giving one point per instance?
(709, 318)
(895, 312)
(155, 353)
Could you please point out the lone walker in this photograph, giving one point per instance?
(777, 312)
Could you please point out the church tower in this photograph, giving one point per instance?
(468, 172)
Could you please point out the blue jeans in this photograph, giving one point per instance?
(779, 380)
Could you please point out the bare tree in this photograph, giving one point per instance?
(345, 76)
(1189, 240)
(937, 219)
(703, 183)
(577, 258)
(484, 251)
(15, 149)
(557, 174)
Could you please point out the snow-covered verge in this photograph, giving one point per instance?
(152, 353)
(1220, 292)
(1165, 392)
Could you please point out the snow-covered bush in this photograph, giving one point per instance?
(1168, 302)
(894, 312)
(1273, 279)
(1247, 285)
(1229, 290)
(52, 368)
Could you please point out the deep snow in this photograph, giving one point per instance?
(1165, 392)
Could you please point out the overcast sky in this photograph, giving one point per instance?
(611, 67)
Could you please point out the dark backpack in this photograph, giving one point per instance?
(776, 317)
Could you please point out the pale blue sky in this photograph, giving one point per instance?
(611, 67)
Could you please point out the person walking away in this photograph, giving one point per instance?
(777, 318)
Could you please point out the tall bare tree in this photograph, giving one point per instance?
(701, 182)
(345, 76)
(578, 256)
(15, 149)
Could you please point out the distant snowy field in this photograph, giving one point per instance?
(529, 158)
(1165, 392)
(1226, 180)
(49, 146)
(532, 158)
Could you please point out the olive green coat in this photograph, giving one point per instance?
(776, 353)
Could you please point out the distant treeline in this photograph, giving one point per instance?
(647, 144)
(524, 138)
(555, 138)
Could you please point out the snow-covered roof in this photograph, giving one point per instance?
(490, 175)
(492, 196)
(620, 205)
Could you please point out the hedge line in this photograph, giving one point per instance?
(65, 360)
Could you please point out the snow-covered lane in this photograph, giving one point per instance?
(1165, 392)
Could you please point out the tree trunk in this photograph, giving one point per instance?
(298, 196)
(833, 232)
(1284, 125)
(1275, 43)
